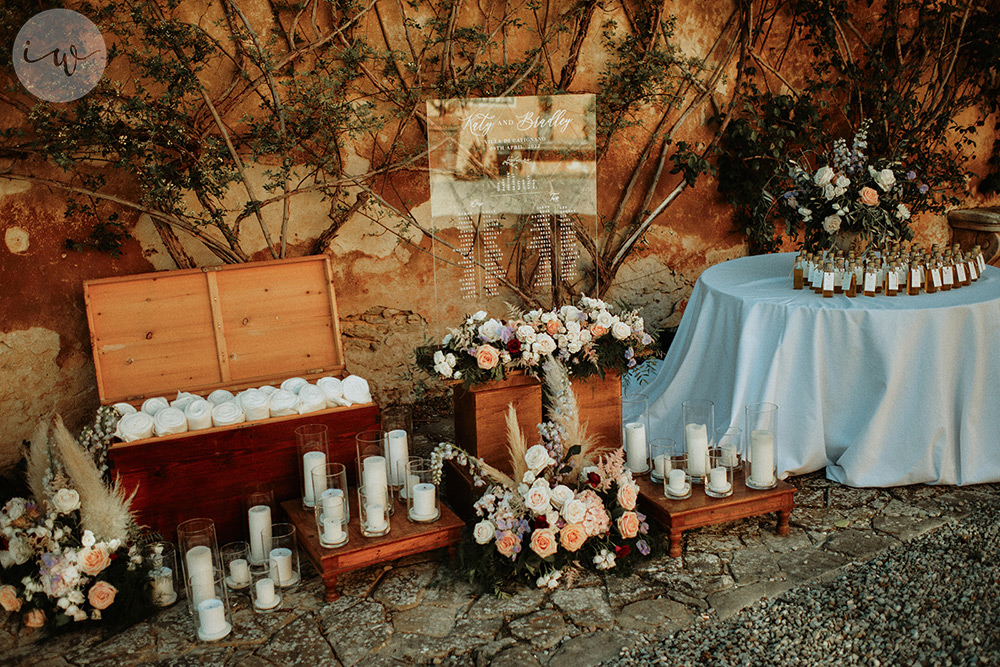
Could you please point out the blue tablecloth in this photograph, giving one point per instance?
(880, 391)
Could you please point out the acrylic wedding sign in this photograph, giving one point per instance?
(513, 181)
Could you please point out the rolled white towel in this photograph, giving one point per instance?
(183, 399)
(268, 389)
(227, 413)
(153, 405)
(356, 389)
(124, 409)
(168, 421)
(294, 384)
(311, 399)
(220, 396)
(135, 426)
(199, 414)
(333, 389)
(255, 404)
(283, 403)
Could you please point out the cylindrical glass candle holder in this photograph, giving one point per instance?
(373, 466)
(236, 565)
(699, 426)
(730, 441)
(720, 476)
(762, 440)
(314, 450)
(660, 451)
(198, 550)
(635, 431)
(397, 424)
(213, 614)
(163, 583)
(372, 513)
(284, 555)
(404, 491)
(676, 483)
(333, 513)
(422, 501)
(264, 592)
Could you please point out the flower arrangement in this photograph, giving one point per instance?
(849, 193)
(69, 552)
(588, 338)
(559, 512)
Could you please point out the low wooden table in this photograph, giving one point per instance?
(405, 538)
(701, 510)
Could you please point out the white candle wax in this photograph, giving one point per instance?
(762, 458)
(333, 530)
(375, 515)
(729, 455)
(375, 479)
(239, 571)
(717, 480)
(696, 438)
(260, 532)
(635, 446)
(265, 592)
(398, 454)
(281, 565)
(163, 585)
(423, 500)
(332, 501)
(660, 465)
(675, 481)
(309, 461)
(212, 618)
(199, 572)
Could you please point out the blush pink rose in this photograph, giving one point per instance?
(101, 595)
(507, 543)
(627, 495)
(34, 618)
(92, 560)
(869, 196)
(552, 327)
(628, 525)
(572, 536)
(487, 357)
(543, 542)
(9, 599)
(597, 331)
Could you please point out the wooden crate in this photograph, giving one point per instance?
(599, 401)
(481, 414)
(197, 330)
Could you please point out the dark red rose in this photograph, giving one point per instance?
(541, 522)
(593, 479)
(622, 551)
(514, 346)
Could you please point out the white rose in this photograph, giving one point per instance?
(537, 499)
(88, 539)
(19, 550)
(479, 315)
(543, 345)
(574, 346)
(439, 357)
(621, 331)
(829, 191)
(66, 500)
(537, 457)
(450, 359)
(561, 495)
(831, 224)
(484, 531)
(604, 319)
(572, 328)
(902, 212)
(490, 330)
(823, 176)
(842, 182)
(526, 333)
(586, 336)
(443, 369)
(528, 478)
(570, 314)
(885, 179)
(574, 511)
(14, 508)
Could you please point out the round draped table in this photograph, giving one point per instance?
(881, 391)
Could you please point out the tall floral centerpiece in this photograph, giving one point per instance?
(565, 507)
(851, 195)
(68, 552)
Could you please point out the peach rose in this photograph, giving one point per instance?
(572, 536)
(552, 327)
(543, 542)
(869, 196)
(34, 618)
(597, 331)
(627, 495)
(101, 595)
(507, 544)
(628, 525)
(9, 599)
(92, 560)
(487, 357)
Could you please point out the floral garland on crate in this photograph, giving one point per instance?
(589, 338)
(559, 513)
(70, 552)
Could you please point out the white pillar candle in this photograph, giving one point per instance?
(696, 439)
(762, 458)
(423, 500)
(332, 501)
(163, 585)
(717, 480)
(260, 532)
(265, 593)
(281, 565)
(309, 461)
(375, 515)
(729, 455)
(398, 454)
(212, 618)
(675, 481)
(200, 574)
(635, 446)
(333, 530)
(239, 571)
(375, 479)
(660, 465)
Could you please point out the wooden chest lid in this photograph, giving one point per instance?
(226, 327)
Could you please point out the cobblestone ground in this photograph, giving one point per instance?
(416, 610)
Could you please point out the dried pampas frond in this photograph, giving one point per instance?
(496, 475)
(516, 443)
(566, 415)
(103, 511)
(39, 461)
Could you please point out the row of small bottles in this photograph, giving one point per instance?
(897, 272)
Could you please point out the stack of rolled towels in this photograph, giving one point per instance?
(190, 412)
